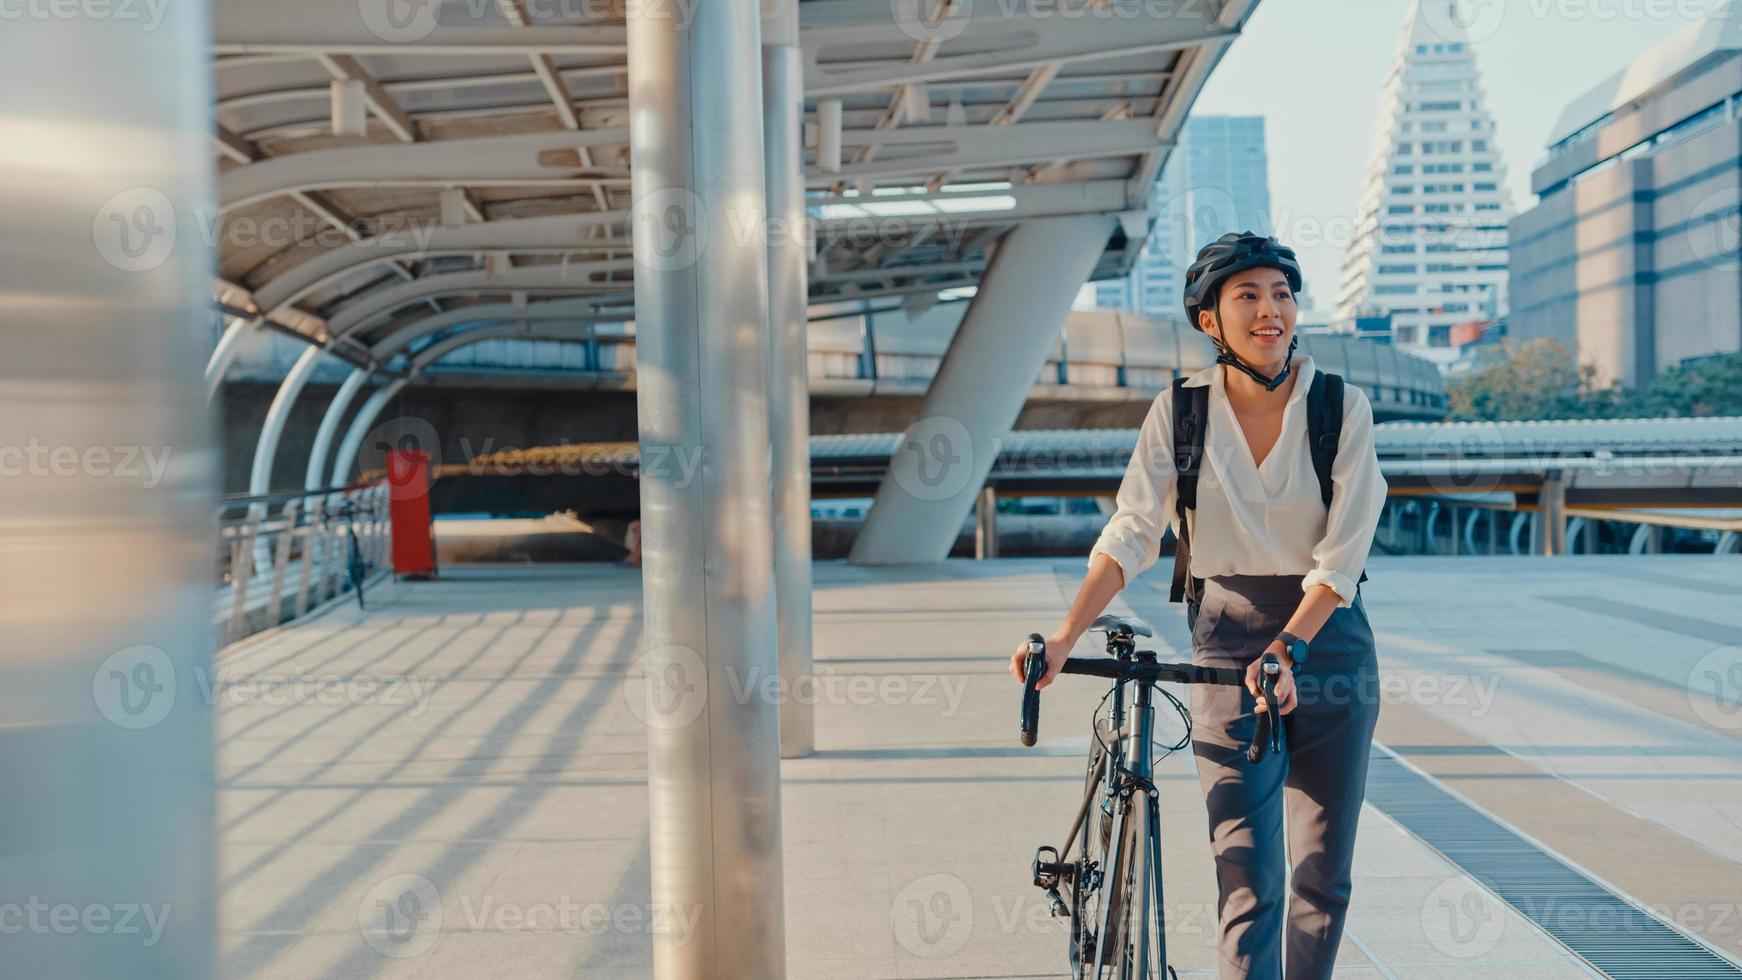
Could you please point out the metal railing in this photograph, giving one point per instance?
(280, 555)
(1475, 526)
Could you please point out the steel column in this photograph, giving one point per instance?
(788, 363)
(701, 301)
(1011, 325)
(111, 478)
(1551, 516)
(986, 523)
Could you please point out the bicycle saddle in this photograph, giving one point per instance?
(1121, 625)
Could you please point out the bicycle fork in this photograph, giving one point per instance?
(1139, 800)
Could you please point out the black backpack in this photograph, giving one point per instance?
(1191, 413)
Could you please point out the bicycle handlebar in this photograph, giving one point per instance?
(1034, 668)
(1266, 736)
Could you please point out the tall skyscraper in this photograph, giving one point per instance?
(1216, 181)
(1430, 242)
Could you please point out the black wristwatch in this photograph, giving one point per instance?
(1297, 647)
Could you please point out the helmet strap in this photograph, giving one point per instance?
(1226, 355)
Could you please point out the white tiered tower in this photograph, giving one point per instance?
(1430, 234)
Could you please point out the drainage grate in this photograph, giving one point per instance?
(1612, 934)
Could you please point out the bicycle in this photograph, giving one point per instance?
(1113, 924)
(355, 568)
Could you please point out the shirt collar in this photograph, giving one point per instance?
(1212, 377)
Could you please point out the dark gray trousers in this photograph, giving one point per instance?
(1322, 777)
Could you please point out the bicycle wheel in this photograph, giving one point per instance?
(1092, 846)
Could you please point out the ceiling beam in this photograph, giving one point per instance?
(232, 146)
(479, 162)
(346, 68)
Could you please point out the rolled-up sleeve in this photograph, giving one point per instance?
(1357, 497)
(1146, 501)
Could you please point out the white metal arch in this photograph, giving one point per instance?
(545, 232)
(577, 278)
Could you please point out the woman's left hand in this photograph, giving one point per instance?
(1283, 692)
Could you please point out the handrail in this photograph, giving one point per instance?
(231, 499)
(285, 553)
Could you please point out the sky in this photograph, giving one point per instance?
(1314, 69)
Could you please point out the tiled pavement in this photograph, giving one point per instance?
(471, 737)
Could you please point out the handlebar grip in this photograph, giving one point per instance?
(1034, 668)
(1267, 732)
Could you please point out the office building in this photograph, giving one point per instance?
(1630, 256)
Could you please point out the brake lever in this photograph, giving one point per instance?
(1267, 733)
(1034, 668)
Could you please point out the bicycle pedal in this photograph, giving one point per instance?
(1046, 873)
(1056, 904)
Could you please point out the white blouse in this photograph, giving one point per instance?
(1251, 519)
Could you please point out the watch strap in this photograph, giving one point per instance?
(1297, 647)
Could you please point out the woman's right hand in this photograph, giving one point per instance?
(1058, 649)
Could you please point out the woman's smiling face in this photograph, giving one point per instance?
(1258, 312)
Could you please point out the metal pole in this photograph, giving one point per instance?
(1553, 515)
(241, 575)
(788, 363)
(281, 562)
(107, 542)
(986, 523)
(311, 537)
(701, 304)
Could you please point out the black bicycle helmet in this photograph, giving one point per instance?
(1232, 253)
(1219, 261)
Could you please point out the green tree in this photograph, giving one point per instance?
(1540, 379)
(1707, 386)
(1537, 379)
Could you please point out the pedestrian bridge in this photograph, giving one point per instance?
(476, 776)
(472, 752)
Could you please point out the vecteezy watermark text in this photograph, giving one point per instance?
(148, 13)
(137, 688)
(41, 918)
(35, 459)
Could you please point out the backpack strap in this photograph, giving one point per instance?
(1324, 426)
(1325, 430)
(1191, 416)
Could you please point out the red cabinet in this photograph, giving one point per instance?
(408, 506)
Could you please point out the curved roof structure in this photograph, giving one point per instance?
(492, 162)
